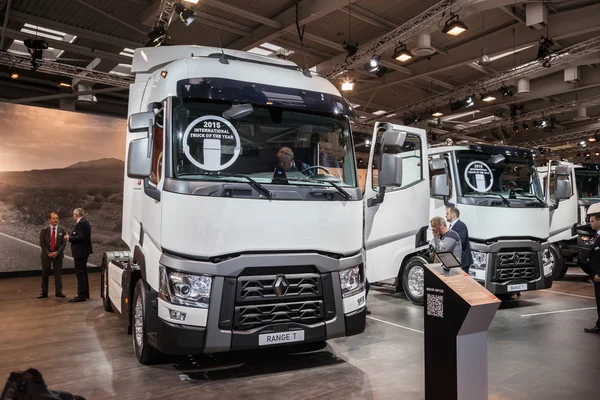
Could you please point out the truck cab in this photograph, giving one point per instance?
(241, 207)
(584, 179)
(500, 199)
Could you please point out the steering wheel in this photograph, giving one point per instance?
(316, 167)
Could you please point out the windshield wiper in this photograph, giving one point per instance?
(251, 181)
(542, 203)
(344, 194)
(504, 200)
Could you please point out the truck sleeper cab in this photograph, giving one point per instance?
(241, 207)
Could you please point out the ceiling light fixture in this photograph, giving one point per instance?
(437, 113)
(374, 62)
(456, 105)
(454, 26)
(469, 101)
(157, 36)
(191, 1)
(488, 97)
(64, 84)
(13, 73)
(505, 91)
(401, 53)
(348, 85)
(185, 14)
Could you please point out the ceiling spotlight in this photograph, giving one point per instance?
(454, 26)
(347, 85)
(13, 73)
(381, 70)
(157, 36)
(543, 123)
(36, 48)
(488, 97)
(456, 105)
(401, 53)
(525, 126)
(411, 119)
(592, 139)
(515, 129)
(598, 153)
(505, 91)
(64, 84)
(437, 113)
(186, 15)
(587, 155)
(545, 51)
(351, 48)
(191, 1)
(374, 62)
(469, 101)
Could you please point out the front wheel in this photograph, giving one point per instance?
(559, 268)
(413, 280)
(144, 352)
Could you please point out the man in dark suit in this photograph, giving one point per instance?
(52, 242)
(81, 247)
(595, 261)
(452, 216)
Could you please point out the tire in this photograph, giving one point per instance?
(144, 352)
(559, 269)
(413, 280)
(106, 305)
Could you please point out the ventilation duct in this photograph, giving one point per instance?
(572, 74)
(536, 15)
(523, 87)
(423, 48)
(581, 114)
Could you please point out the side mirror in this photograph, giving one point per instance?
(392, 139)
(390, 171)
(390, 165)
(440, 186)
(437, 165)
(139, 164)
(562, 189)
(141, 122)
(562, 170)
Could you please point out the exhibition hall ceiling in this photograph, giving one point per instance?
(547, 92)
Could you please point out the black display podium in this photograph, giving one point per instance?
(458, 312)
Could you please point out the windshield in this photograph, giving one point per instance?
(267, 144)
(497, 175)
(588, 182)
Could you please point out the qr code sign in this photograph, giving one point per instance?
(435, 305)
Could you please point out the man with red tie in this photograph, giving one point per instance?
(52, 242)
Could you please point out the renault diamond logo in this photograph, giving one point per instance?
(281, 286)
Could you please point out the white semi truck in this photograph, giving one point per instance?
(500, 199)
(241, 207)
(585, 183)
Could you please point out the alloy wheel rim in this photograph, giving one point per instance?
(138, 318)
(416, 281)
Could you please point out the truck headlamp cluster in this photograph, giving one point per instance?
(352, 280)
(547, 262)
(477, 270)
(185, 289)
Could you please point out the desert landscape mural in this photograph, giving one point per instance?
(53, 160)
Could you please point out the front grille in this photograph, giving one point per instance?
(293, 286)
(512, 259)
(515, 265)
(261, 300)
(255, 316)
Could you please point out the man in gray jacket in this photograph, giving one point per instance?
(444, 239)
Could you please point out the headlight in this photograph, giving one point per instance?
(546, 259)
(185, 289)
(352, 280)
(479, 259)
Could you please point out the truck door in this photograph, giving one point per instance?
(397, 214)
(564, 215)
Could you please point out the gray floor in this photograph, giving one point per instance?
(80, 348)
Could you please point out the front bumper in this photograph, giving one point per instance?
(222, 329)
(502, 279)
